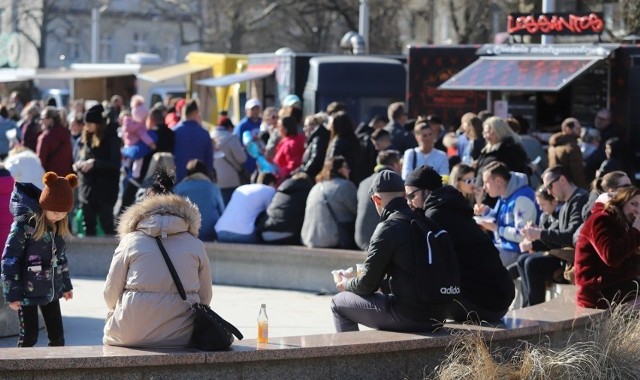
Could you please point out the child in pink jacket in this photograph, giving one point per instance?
(134, 131)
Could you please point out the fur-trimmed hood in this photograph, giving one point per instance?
(161, 215)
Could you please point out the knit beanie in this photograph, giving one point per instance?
(57, 194)
(94, 114)
(424, 178)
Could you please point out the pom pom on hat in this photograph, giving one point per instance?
(57, 194)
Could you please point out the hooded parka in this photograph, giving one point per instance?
(145, 309)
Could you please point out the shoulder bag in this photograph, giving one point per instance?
(346, 230)
(210, 331)
(243, 174)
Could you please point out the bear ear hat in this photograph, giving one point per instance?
(73, 180)
(49, 178)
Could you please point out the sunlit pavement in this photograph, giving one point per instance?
(290, 312)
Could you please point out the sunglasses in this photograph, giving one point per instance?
(550, 184)
(412, 194)
(468, 181)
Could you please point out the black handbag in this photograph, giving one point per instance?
(210, 331)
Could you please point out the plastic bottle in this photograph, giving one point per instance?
(263, 325)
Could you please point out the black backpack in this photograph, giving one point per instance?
(437, 270)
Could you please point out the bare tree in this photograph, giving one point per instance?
(244, 26)
(470, 20)
(630, 9)
(35, 17)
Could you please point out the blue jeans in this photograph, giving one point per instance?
(232, 237)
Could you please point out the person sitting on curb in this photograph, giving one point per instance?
(391, 267)
(537, 269)
(485, 285)
(515, 209)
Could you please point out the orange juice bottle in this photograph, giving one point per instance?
(263, 325)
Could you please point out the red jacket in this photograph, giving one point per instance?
(54, 150)
(289, 154)
(606, 255)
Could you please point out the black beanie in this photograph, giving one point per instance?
(424, 178)
(94, 114)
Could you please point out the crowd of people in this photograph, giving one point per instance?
(512, 209)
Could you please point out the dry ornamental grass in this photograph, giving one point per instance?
(611, 350)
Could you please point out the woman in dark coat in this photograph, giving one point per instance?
(285, 213)
(503, 145)
(343, 141)
(98, 169)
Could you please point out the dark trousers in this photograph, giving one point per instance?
(129, 191)
(100, 209)
(535, 271)
(29, 327)
(375, 311)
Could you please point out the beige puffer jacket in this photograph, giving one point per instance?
(145, 309)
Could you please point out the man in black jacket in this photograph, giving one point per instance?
(390, 267)
(486, 287)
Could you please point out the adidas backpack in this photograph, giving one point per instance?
(437, 271)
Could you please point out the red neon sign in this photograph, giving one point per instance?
(559, 23)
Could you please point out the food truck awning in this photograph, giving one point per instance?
(170, 72)
(16, 75)
(73, 73)
(512, 73)
(253, 72)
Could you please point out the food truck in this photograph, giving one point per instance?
(543, 84)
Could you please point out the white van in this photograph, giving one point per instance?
(60, 95)
(162, 93)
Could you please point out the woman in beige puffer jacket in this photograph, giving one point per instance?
(145, 309)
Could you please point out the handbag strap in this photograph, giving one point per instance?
(176, 279)
(237, 167)
(172, 269)
(326, 201)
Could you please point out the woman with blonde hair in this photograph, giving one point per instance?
(503, 145)
(463, 178)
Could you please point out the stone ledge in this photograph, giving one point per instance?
(269, 266)
(325, 356)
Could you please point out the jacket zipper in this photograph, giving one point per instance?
(54, 264)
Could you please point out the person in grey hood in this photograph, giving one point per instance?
(516, 209)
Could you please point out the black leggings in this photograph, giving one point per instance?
(100, 209)
(29, 327)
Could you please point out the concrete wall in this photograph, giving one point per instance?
(281, 267)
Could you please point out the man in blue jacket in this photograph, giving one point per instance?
(192, 141)
(516, 208)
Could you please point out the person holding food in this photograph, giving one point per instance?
(515, 208)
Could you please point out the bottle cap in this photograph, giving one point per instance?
(263, 305)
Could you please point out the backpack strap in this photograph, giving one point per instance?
(415, 159)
